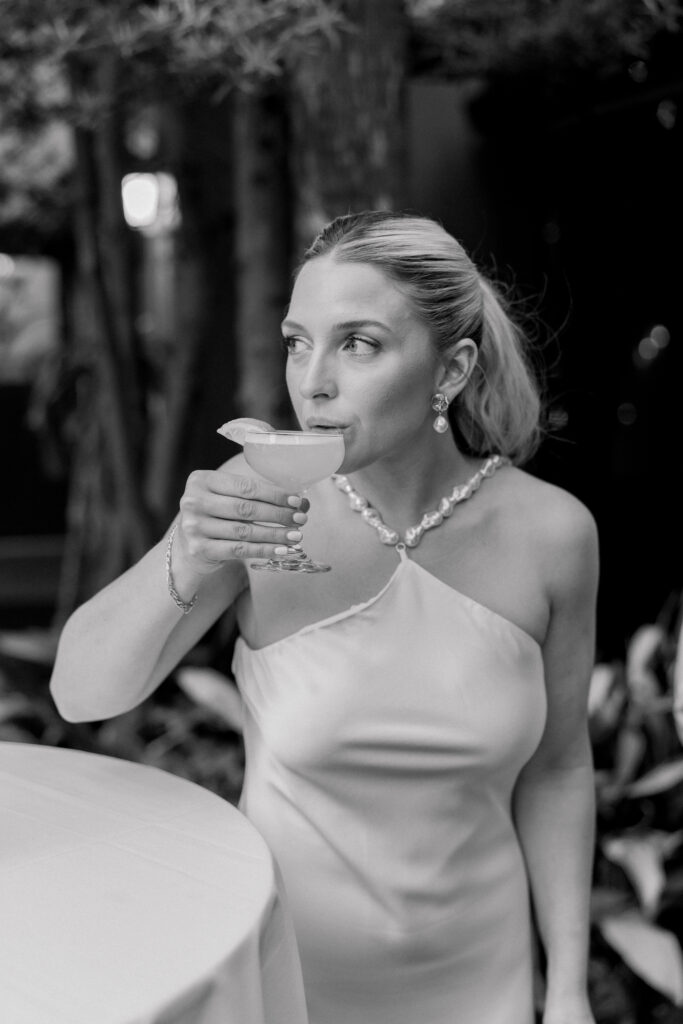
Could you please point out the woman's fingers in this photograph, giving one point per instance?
(200, 527)
(231, 497)
(245, 510)
(225, 516)
(251, 533)
(210, 542)
(220, 481)
(216, 552)
(228, 496)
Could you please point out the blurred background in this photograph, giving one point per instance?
(162, 167)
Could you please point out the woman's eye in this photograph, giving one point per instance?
(291, 344)
(360, 346)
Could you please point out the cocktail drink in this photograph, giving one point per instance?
(293, 460)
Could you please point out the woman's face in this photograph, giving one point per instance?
(359, 359)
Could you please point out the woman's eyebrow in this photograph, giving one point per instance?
(351, 325)
(345, 325)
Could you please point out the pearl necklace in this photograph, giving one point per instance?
(413, 536)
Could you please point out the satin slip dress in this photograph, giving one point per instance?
(382, 745)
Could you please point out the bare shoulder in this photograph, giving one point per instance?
(561, 530)
(554, 514)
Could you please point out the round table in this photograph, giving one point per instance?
(131, 896)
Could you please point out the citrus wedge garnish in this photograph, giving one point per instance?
(236, 430)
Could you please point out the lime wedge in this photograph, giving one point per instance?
(236, 430)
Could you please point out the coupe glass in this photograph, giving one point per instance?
(294, 459)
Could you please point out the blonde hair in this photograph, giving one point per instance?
(499, 410)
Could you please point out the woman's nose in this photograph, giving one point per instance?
(318, 379)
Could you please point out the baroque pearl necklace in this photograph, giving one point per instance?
(414, 534)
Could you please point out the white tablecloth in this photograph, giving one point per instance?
(131, 896)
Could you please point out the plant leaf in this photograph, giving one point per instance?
(641, 858)
(645, 644)
(13, 705)
(606, 699)
(602, 681)
(677, 685)
(606, 901)
(213, 691)
(653, 953)
(35, 645)
(659, 779)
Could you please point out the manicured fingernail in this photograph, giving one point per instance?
(294, 535)
(300, 517)
(295, 501)
(281, 550)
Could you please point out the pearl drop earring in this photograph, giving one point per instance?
(440, 404)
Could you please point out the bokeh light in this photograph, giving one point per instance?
(150, 202)
(7, 265)
(667, 112)
(660, 335)
(638, 71)
(651, 346)
(647, 349)
(140, 197)
(627, 414)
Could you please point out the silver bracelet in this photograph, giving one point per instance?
(185, 606)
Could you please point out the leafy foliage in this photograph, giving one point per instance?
(638, 883)
(35, 168)
(194, 44)
(489, 38)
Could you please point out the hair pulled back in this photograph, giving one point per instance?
(499, 409)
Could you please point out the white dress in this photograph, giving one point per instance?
(382, 746)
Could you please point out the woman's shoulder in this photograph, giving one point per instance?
(547, 506)
(559, 526)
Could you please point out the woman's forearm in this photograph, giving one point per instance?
(555, 818)
(118, 646)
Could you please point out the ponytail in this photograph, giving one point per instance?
(499, 410)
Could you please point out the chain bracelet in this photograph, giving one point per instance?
(185, 606)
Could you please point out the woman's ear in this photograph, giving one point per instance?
(457, 366)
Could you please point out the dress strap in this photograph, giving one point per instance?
(402, 551)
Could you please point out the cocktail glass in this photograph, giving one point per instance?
(294, 459)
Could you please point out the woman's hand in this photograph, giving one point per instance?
(222, 517)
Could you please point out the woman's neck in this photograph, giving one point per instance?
(402, 488)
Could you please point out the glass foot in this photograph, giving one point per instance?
(291, 565)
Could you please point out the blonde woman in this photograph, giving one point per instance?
(417, 754)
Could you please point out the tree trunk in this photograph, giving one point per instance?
(202, 372)
(347, 118)
(263, 256)
(108, 522)
(107, 515)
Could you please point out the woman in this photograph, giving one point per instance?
(416, 746)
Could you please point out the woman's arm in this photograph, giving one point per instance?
(554, 796)
(120, 645)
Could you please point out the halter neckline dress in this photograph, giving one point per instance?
(382, 745)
